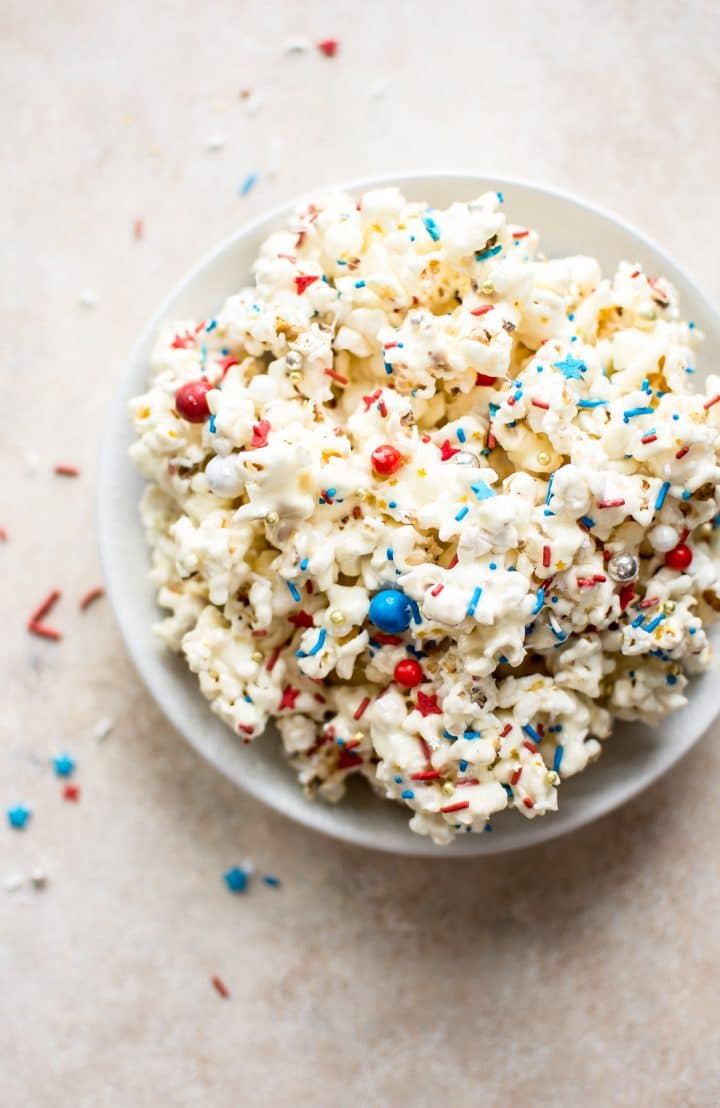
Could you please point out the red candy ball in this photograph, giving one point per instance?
(191, 401)
(679, 557)
(386, 459)
(409, 673)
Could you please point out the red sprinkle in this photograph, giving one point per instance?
(260, 433)
(540, 404)
(34, 624)
(181, 342)
(457, 807)
(528, 802)
(226, 363)
(386, 460)
(713, 400)
(303, 281)
(408, 672)
(361, 708)
(138, 228)
(506, 730)
(627, 593)
(272, 659)
(682, 452)
(3, 535)
(66, 471)
(467, 781)
(382, 408)
(91, 596)
(44, 632)
(426, 775)
(447, 451)
(428, 705)
(516, 776)
(300, 619)
(289, 696)
(520, 234)
(246, 728)
(484, 378)
(387, 640)
(329, 47)
(337, 377)
(492, 441)
(649, 602)
(648, 438)
(347, 759)
(636, 273)
(618, 503)
(530, 746)
(454, 562)
(368, 401)
(437, 590)
(71, 792)
(220, 987)
(483, 311)
(546, 556)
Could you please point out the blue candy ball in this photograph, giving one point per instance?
(390, 610)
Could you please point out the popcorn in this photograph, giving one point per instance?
(414, 403)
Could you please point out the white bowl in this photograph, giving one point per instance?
(632, 758)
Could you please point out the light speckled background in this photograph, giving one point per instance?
(586, 969)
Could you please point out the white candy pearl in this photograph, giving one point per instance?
(664, 538)
(223, 477)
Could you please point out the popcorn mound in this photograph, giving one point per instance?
(439, 507)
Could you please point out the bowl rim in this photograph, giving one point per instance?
(310, 816)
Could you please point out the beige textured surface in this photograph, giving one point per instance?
(583, 971)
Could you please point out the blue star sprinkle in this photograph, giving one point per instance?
(571, 368)
(236, 879)
(18, 816)
(64, 765)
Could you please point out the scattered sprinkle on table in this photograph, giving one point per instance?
(272, 882)
(35, 625)
(329, 47)
(220, 986)
(91, 596)
(248, 184)
(71, 792)
(236, 879)
(64, 765)
(102, 728)
(65, 470)
(138, 228)
(18, 816)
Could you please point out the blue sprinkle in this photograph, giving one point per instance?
(304, 564)
(638, 620)
(339, 261)
(211, 326)
(477, 593)
(407, 794)
(487, 827)
(630, 413)
(554, 599)
(483, 255)
(18, 816)
(588, 522)
(319, 643)
(471, 735)
(661, 495)
(691, 325)
(388, 367)
(548, 495)
(392, 504)
(460, 434)
(571, 368)
(293, 590)
(212, 425)
(431, 227)
(236, 879)
(686, 495)
(509, 791)
(331, 492)
(557, 757)
(671, 679)
(571, 316)
(462, 513)
(271, 882)
(493, 565)
(547, 512)
(359, 284)
(591, 403)
(655, 623)
(501, 198)
(676, 417)
(531, 733)
(646, 386)
(64, 765)
(390, 554)
(693, 630)
(248, 183)
(493, 408)
(539, 601)
(463, 765)
(482, 491)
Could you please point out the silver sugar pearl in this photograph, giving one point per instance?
(293, 359)
(464, 458)
(623, 567)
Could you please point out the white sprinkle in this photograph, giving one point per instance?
(215, 142)
(13, 882)
(38, 878)
(297, 46)
(102, 728)
(88, 298)
(254, 102)
(247, 866)
(378, 88)
(32, 463)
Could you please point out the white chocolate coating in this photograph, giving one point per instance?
(546, 420)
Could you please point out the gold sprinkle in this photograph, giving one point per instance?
(448, 788)
(669, 607)
(257, 655)
(544, 458)
(361, 494)
(421, 473)
(272, 518)
(295, 376)
(359, 736)
(336, 616)
(487, 287)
